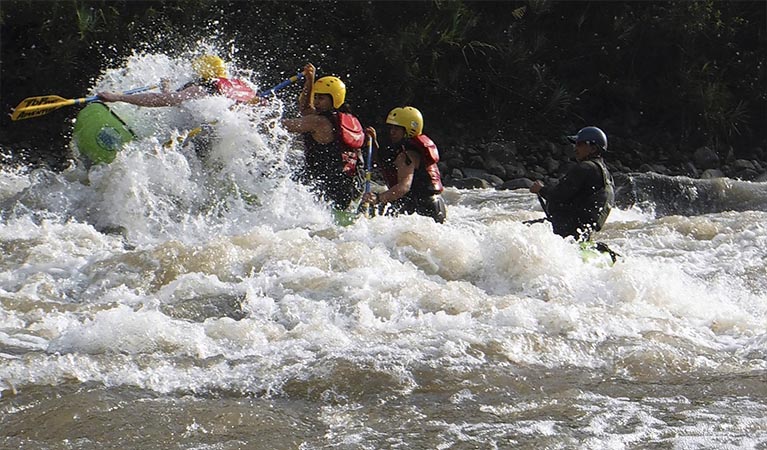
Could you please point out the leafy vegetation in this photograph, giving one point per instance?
(679, 73)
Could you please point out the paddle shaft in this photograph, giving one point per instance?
(287, 82)
(543, 206)
(368, 173)
(542, 202)
(38, 106)
(368, 165)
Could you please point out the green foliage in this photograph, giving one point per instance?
(88, 20)
(694, 71)
(722, 117)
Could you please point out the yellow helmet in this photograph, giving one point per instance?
(209, 66)
(407, 117)
(333, 86)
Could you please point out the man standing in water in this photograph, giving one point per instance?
(581, 201)
(332, 138)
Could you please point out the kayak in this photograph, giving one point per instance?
(100, 133)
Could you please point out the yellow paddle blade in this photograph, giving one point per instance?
(39, 106)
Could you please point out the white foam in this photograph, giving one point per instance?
(391, 293)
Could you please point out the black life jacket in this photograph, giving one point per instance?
(604, 198)
(588, 210)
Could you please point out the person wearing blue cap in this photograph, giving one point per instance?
(581, 201)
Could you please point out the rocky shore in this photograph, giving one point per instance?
(510, 165)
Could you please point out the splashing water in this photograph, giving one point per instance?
(212, 302)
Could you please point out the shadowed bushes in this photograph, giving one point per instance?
(679, 74)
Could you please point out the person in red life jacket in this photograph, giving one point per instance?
(409, 167)
(213, 80)
(580, 203)
(332, 137)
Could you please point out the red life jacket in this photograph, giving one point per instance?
(324, 160)
(351, 136)
(429, 160)
(234, 89)
(426, 177)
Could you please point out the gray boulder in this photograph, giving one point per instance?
(711, 173)
(517, 183)
(705, 158)
(471, 183)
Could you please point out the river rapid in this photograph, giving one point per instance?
(171, 301)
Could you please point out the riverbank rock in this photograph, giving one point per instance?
(705, 158)
(515, 165)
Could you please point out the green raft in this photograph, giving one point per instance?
(99, 133)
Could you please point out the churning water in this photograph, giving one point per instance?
(171, 301)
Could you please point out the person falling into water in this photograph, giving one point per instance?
(408, 164)
(332, 138)
(212, 79)
(581, 201)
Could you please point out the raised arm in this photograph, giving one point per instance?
(318, 125)
(306, 97)
(155, 99)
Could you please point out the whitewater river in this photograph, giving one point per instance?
(169, 301)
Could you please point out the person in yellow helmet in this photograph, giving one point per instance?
(408, 165)
(332, 138)
(209, 67)
(212, 80)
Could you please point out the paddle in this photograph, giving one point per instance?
(39, 106)
(287, 82)
(545, 211)
(368, 172)
(544, 207)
